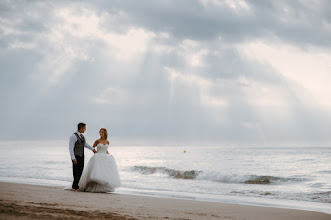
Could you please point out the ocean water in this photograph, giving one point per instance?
(297, 178)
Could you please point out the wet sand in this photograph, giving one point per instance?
(23, 201)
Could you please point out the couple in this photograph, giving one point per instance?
(100, 174)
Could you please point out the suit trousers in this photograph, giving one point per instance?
(77, 170)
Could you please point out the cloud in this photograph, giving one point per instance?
(235, 71)
(307, 70)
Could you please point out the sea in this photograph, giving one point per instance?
(284, 177)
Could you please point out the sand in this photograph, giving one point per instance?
(23, 201)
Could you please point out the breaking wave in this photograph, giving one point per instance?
(247, 179)
(179, 174)
(213, 176)
(321, 197)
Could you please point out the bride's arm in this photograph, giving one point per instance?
(95, 143)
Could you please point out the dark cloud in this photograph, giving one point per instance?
(296, 22)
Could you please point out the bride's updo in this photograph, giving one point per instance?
(105, 132)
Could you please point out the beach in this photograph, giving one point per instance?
(24, 201)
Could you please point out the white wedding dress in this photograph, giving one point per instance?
(100, 174)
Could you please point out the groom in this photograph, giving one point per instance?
(76, 147)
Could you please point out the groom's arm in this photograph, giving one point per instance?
(72, 142)
(89, 147)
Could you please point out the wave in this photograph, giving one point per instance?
(324, 171)
(53, 162)
(246, 179)
(179, 174)
(324, 197)
(214, 176)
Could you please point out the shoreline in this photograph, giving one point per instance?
(226, 199)
(25, 201)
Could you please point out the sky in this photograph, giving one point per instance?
(166, 72)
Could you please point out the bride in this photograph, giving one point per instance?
(100, 174)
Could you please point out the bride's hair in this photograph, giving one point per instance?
(105, 132)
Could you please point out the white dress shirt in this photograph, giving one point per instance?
(72, 141)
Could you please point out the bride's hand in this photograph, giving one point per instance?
(94, 151)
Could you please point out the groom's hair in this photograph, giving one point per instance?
(81, 125)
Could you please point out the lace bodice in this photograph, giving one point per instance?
(102, 149)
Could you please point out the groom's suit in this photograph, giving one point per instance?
(76, 147)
